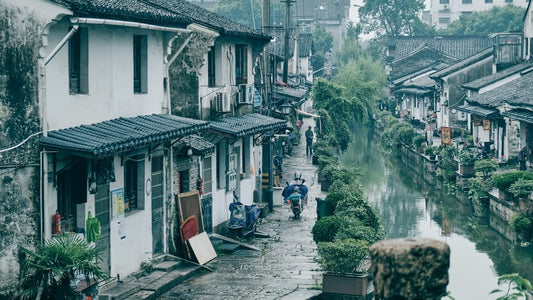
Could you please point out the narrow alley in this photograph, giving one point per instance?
(285, 266)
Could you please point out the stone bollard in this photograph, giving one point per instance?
(410, 268)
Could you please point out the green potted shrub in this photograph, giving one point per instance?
(343, 240)
(419, 142)
(342, 260)
(466, 162)
(48, 271)
(486, 167)
(503, 181)
(431, 151)
(522, 190)
(522, 225)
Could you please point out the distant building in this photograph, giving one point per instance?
(443, 12)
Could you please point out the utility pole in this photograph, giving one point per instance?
(288, 4)
(267, 82)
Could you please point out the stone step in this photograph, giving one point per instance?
(167, 265)
(142, 295)
(121, 291)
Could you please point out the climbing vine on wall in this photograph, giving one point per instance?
(19, 118)
(184, 74)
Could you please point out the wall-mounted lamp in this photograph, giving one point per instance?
(445, 103)
(286, 108)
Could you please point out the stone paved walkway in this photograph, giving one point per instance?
(285, 266)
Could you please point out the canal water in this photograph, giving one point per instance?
(411, 207)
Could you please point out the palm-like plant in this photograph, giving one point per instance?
(47, 272)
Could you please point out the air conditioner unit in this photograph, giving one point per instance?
(244, 96)
(220, 102)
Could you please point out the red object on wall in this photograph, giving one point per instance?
(56, 223)
(200, 186)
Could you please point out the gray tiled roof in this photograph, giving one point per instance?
(412, 90)
(179, 13)
(479, 110)
(293, 94)
(305, 44)
(517, 92)
(459, 47)
(520, 114)
(463, 63)
(277, 47)
(488, 80)
(247, 125)
(199, 145)
(423, 58)
(121, 135)
(420, 82)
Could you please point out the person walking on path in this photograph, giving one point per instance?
(309, 141)
(522, 159)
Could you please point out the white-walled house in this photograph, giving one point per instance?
(111, 146)
(106, 131)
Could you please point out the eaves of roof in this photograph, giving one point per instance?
(479, 110)
(120, 135)
(520, 115)
(459, 47)
(169, 13)
(413, 91)
(517, 92)
(463, 63)
(294, 93)
(246, 125)
(488, 80)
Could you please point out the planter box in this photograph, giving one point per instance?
(355, 284)
(467, 170)
(324, 185)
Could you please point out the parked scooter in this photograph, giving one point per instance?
(243, 218)
(296, 195)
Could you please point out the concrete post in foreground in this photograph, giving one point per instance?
(410, 268)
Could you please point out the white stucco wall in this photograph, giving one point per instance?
(110, 78)
(454, 9)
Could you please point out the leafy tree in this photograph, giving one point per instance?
(249, 12)
(47, 272)
(391, 17)
(318, 60)
(498, 19)
(322, 39)
(363, 80)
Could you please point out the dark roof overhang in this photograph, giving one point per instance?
(121, 135)
(246, 125)
(414, 91)
(479, 110)
(520, 115)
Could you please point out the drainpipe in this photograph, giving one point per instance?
(43, 62)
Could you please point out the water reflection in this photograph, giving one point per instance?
(411, 207)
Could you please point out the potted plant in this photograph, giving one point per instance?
(343, 241)
(486, 167)
(48, 272)
(418, 142)
(466, 162)
(431, 151)
(342, 261)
